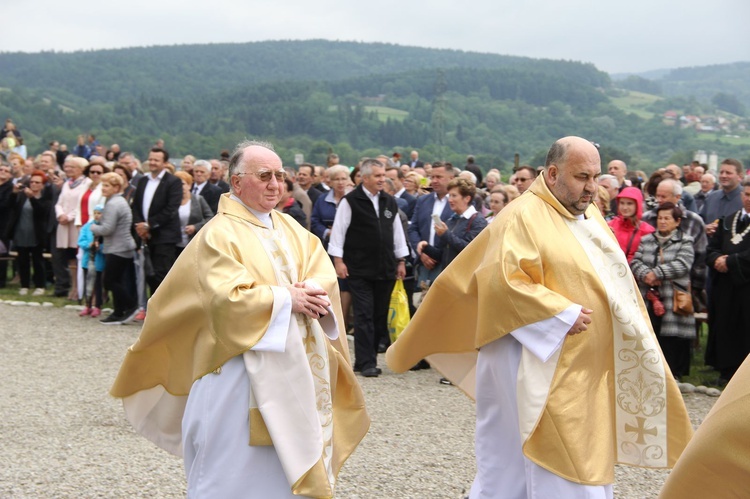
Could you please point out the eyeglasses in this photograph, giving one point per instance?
(35, 182)
(521, 179)
(265, 175)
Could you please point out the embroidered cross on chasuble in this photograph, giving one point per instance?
(640, 380)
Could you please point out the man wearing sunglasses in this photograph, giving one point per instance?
(242, 366)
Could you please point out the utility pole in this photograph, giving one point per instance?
(437, 123)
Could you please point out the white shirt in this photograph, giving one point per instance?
(437, 209)
(199, 187)
(184, 214)
(148, 194)
(344, 219)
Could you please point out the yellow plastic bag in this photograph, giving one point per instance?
(398, 314)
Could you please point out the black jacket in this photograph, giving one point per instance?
(162, 216)
(41, 206)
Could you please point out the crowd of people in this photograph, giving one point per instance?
(115, 226)
(234, 283)
(677, 229)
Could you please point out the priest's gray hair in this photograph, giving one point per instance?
(236, 158)
(745, 182)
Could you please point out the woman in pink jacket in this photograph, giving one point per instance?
(627, 225)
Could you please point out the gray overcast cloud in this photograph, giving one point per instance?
(632, 36)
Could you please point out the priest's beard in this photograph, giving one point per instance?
(576, 203)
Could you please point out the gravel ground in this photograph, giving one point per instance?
(63, 436)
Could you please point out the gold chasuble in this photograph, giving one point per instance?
(607, 395)
(716, 463)
(217, 303)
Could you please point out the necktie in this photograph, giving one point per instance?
(195, 189)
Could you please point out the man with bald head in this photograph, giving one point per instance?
(618, 169)
(242, 366)
(540, 320)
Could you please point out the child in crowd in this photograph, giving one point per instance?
(93, 266)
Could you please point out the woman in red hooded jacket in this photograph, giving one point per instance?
(627, 225)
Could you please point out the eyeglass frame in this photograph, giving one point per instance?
(279, 174)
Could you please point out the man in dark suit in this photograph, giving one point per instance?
(305, 178)
(397, 175)
(368, 250)
(156, 203)
(422, 228)
(217, 177)
(202, 187)
(414, 161)
(129, 161)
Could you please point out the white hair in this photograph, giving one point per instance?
(468, 176)
(611, 179)
(676, 186)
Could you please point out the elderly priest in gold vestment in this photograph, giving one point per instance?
(540, 320)
(242, 366)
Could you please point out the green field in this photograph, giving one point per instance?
(714, 138)
(387, 112)
(383, 112)
(636, 103)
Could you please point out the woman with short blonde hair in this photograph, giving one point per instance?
(66, 211)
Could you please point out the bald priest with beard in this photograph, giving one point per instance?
(540, 321)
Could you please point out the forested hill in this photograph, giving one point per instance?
(357, 99)
(187, 71)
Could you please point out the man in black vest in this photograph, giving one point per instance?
(369, 251)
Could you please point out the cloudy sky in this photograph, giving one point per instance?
(617, 36)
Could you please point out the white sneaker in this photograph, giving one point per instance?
(38, 292)
(23, 291)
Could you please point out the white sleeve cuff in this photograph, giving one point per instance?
(545, 337)
(328, 322)
(275, 338)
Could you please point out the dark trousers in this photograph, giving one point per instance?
(4, 266)
(370, 299)
(60, 267)
(26, 258)
(119, 278)
(163, 257)
(677, 354)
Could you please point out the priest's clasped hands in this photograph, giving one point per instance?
(581, 324)
(309, 300)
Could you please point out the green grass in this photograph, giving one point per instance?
(713, 138)
(384, 112)
(636, 103)
(387, 112)
(10, 292)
